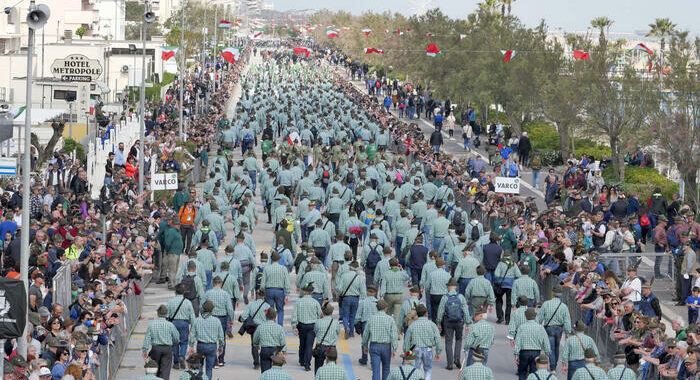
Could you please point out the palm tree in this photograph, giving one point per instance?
(488, 6)
(602, 23)
(662, 28)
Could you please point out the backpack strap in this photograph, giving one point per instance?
(403, 375)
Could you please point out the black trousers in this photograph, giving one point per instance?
(499, 303)
(163, 355)
(254, 351)
(266, 354)
(306, 342)
(320, 358)
(187, 231)
(434, 305)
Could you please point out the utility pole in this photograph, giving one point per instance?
(148, 17)
(183, 69)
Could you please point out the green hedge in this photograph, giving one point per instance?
(545, 138)
(642, 181)
(70, 145)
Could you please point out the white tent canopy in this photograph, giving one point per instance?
(40, 115)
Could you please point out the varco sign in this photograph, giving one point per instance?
(76, 68)
(507, 185)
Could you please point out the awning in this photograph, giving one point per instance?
(40, 115)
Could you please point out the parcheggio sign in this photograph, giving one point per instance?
(76, 68)
(507, 185)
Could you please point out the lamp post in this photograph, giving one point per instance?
(148, 17)
(36, 18)
(183, 68)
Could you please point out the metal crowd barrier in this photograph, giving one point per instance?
(62, 288)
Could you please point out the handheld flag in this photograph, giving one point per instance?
(301, 50)
(432, 50)
(428, 35)
(580, 54)
(257, 33)
(508, 55)
(168, 52)
(331, 33)
(224, 24)
(399, 32)
(643, 47)
(346, 28)
(373, 50)
(366, 31)
(231, 54)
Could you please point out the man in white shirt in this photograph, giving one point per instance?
(631, 289)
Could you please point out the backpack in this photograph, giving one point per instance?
(672, 238)
(618, 241)
(326, 175)
(453, 309)
(411, 316)
(644, 221)
(448, 209)
(290, 224)
(369, 217)
(258, 277)
(475, 233)
(373, 257)
(358, 206)
(190, 289)
(536, 163)
(356, 231)
(247, 139)
(458, 222)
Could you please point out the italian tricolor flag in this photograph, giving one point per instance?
(224, 24)
(231, 54)
(257, 33)
(366, 31)
(373, 50)
(428, 35)
(432, 50)
(331, 33)
(168, 52)
(508, 55)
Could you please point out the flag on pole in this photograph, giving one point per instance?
(366, 31)
(224, 24)
(302, 50)
(428, 35)
(231, 54)
(643, 47)
(373, 50)
(293, 138)
(508, 55)
(432, 50)
(257, 33)
(580, 54)
(399, 32)
(331, 33)
(168, 52)
(462, 36)
(17, 111)
(346, 28)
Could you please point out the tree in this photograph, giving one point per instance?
(505, 4)
(661, 29)
(677, 122)
(80, 32)
(603, 24)
(46, 152)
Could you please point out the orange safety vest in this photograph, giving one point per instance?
(187, 215)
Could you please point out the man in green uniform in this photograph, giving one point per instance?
(480, 336)
(275, 281)
(555, 318)
(408, 370)
(330, 370)
(151, 368)
(525, 285)
(530, 341)
(452, 316)
(306, 311)
(365, 310)
(269, 338)
(350, 288)
(158, 343)
(477, 370)
(517, 318)
(173, 247)
(381, 336)
(276, 372)
(590, 371)
(207, 333)
(409, 307)
(326, 330)
(422, 336)
(392, 284)
(436, 287)
(573, 355)
(256, 312)
(194, 362)
(479, 293)
(542, 372)
(621, 371)
(223, 310)
(181, 314)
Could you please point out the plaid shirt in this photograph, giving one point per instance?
(573, 350)
(381, 328)
(517, 318)
(354, 287)
(306, 311)
(186, 376)
(543, 375)
(480, 287)
(437, 282)
(258, 318)
(531, 336)
(465, 309)
(476, 371)
(480, 335)
(597, 372)
(561, 318)
(366, 309)
(331, 371)
(270, 334)
(423, 333)
(621, 372)
(320, 282)
(221, 300)
(393, 281)
(275, 276)
(320, 327)
(466, 268)
(206, 330)
(275, 373)
(207, 258)
(160, 332)
(524, 286)
(234, 267)
(395, 373)
(186, 312)
(230, 285)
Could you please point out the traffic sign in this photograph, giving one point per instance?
(8, 166)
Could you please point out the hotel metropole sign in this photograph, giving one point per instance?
(76, 68)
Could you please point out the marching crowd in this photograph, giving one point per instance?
(409, 243)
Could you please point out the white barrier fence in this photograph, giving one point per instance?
(124, 132)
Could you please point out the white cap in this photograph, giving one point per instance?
(44, 371)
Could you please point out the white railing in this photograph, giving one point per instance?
(125, 132)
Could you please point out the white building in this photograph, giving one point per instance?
(112, 16)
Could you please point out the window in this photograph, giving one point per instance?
(62, 94)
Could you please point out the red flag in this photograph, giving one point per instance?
(301, 50)
(367, 31)
(641, 46)
(508, 55)
(331, 33)
(650, 65)
(373, 50)
(432, 50)
(580, 54)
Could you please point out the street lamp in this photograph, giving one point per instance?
(148, 17)
(36, 19)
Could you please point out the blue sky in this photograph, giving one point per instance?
(571, 15)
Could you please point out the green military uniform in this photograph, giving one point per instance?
(381, 328)
(621, 372)
(480, 294)
(409, 373)
(422, 333)
(480, 335)
(590, 372)
(270, 334)
(525, 286)
(476, 371)
(517, 318)
(575, 347)
(275, 373)
(331, 371)
(185, 312)
(160, 332)
(531, 336)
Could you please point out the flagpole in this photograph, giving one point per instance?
(216, 17)
(182, 67)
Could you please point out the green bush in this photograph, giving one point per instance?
(550, 157)
(597, 151)
(70, 145)
(543, 136)
(642, 181)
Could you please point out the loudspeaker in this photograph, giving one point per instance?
(38, 17)
(70, 96)
(149, 17)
